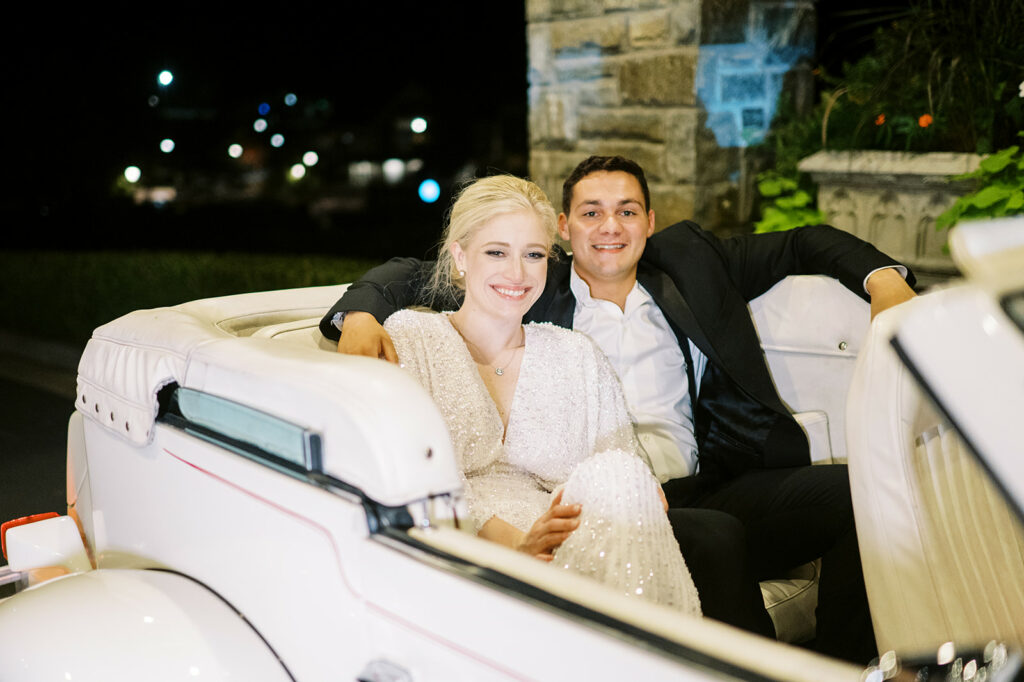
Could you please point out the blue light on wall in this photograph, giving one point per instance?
(429, 191)
(739, 83)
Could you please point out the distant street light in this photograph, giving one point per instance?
(290, 99)
(259, 125)
(277, 140)
(310, 158)
(235, 151)
(418, 125)
(165, 78)
(264, 109)
(132, 174)
(298, 171)
(167, 145)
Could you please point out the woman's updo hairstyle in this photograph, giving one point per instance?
(477, 203)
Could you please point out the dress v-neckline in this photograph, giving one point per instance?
(479, 380)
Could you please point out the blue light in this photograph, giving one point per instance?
(429, 191)
(290, 99)
(264, 109)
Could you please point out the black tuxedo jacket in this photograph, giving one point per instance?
(702, 284)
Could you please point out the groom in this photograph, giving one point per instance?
(670, 312)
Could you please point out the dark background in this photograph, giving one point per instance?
(76, 86)
(76, 114)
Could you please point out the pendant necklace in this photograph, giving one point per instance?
(500, 371)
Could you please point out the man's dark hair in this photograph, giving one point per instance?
(595, 164)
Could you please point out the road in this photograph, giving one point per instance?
(37, 394)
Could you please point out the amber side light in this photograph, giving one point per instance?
(24, 520)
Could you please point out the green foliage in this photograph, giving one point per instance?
(1000, 191)
(785, 203)
(65, 295)
(943, 76)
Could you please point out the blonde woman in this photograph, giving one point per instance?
(536, 413)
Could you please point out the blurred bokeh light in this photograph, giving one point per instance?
(429, 191)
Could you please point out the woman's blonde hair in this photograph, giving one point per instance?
(477, 203)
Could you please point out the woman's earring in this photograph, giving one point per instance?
(462, 273)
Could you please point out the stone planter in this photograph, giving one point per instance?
(892, 200)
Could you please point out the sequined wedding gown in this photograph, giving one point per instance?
(568, 426)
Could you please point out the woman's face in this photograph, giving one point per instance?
(506, 264)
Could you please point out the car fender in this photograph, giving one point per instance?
(129, 625)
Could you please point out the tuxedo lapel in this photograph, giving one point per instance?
(557, 303)
(674, 307)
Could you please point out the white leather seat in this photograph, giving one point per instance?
(943, 555)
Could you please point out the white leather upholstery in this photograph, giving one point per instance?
(811, 328)
(943, 556)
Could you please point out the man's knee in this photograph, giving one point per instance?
(708, 537)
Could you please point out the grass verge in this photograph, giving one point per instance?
(63, 296)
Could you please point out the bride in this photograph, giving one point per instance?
(536, 414)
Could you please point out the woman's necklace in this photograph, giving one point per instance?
(500, 371)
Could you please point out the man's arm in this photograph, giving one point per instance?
(757, 262)
(397, 284)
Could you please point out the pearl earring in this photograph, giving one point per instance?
(462, 273)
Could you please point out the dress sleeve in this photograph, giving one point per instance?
(409, 331)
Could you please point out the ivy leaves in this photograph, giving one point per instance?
(789, 204)
(1000, 189)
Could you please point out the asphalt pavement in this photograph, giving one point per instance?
(37, 396)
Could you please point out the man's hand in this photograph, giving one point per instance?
(361, 334)
(887, 288)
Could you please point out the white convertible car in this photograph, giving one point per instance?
(246, 504)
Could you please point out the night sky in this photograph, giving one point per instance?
(77, 84)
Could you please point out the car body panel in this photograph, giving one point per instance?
(165, 626)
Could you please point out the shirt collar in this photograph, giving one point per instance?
(636, 298)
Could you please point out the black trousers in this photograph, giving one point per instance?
(786, 517)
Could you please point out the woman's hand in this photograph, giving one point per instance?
(552, 529)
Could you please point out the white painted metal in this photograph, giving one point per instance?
(115, 626)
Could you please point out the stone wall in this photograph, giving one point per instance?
(651, 80)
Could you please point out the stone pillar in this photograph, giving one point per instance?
(680, 86)
(892, 200)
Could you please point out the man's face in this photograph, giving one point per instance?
(607, 226)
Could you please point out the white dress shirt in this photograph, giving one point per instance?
(645, 354)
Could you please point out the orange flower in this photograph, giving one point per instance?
(925, 120)
(880, 119)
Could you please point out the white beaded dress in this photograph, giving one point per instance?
(568, 427)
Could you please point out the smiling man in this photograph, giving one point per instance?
(669, 311)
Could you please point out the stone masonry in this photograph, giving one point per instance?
(617, 77)
(623, 76)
